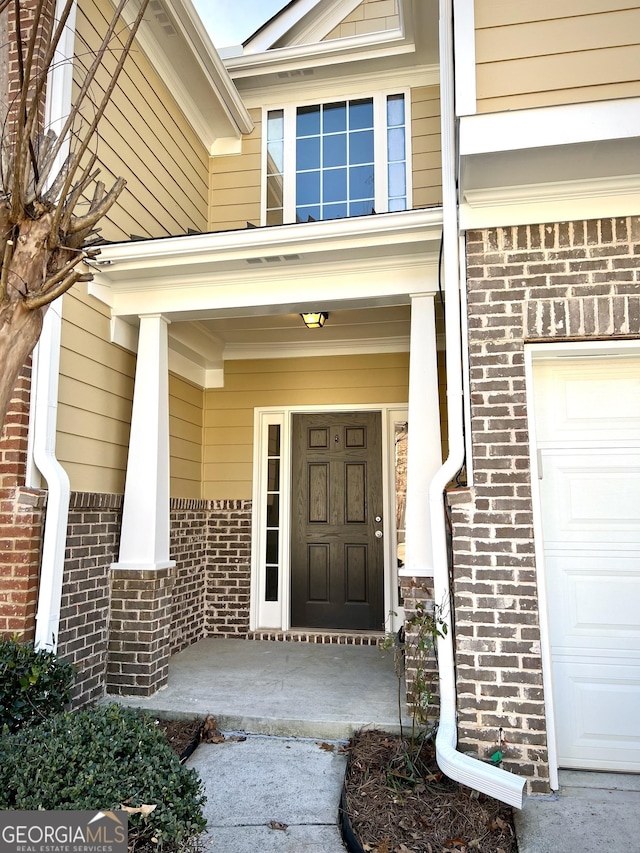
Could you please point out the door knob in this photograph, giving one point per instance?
(378, 534)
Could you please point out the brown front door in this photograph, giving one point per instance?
(337, 561)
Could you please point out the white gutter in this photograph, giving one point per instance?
(472, 772)
(44, 400)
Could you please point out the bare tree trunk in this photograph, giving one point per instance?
(19, 332)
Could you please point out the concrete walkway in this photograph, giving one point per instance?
(304, 693)
(271, 795)
(593, 812)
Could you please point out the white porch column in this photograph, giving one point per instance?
(144, 542)
(424, 451)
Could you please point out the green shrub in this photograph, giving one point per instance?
(33, 685)
(103, 758)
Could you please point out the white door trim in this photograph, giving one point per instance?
(533, 353)
(277, 615)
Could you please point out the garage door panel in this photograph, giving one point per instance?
(600, 725)
(593, 496)
(588, 400)
(587, 422)
(595, 601)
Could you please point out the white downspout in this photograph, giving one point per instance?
(47, 359)
(46, 369)
(469, 771)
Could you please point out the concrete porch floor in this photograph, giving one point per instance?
(281, 688)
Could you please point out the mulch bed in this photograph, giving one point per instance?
(396, 798)
(180, 734)
(398, 801)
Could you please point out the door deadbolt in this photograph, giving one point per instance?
(378, 518)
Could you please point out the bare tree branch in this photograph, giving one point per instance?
(8, 250)
(89, 133)
(98, 209)
(39, 300)
(43, 241)
(79, 102)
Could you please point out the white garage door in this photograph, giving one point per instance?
(587, 414)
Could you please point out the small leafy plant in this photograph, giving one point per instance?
(106, 757)
(415, 645)
(33, 684)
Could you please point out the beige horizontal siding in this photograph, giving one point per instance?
(186, 403)
(426, 148)
(228, 417)
(235, 183)
(545, 53)
(144, 138)
(371, 16)
(95, 394)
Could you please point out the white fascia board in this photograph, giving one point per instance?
(198, 51)
(547, 126)
(332, 234)
(325, 21)
(465, 56)
(279, 25)
(339, 285)
(558, 202)
(553, 191)
(369, 46)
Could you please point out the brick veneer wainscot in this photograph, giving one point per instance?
(559, 281)
(229, 569)
(93, 540)
(21, 519)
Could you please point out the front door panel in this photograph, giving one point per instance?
(336, 558)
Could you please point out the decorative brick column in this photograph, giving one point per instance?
(139, 630)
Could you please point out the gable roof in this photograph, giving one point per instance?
(300, 22)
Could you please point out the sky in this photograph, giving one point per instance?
(229, 22)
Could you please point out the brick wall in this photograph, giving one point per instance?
(21, 519)
(562, 281)
(229, 569)
(93, 537)
(189, 544)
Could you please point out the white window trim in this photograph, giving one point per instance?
(276, 615)
(379, 155)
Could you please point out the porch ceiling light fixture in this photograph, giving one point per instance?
(315, 319)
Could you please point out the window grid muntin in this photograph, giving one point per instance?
(273, 500)
(381, 204)
(334, 184)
